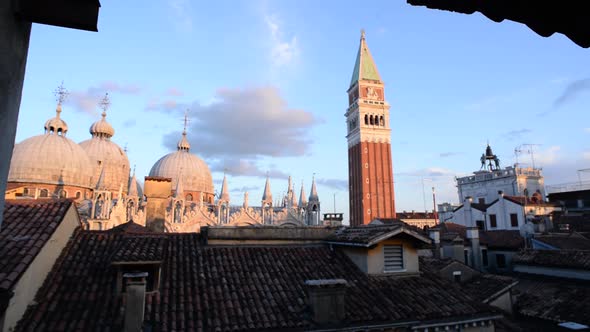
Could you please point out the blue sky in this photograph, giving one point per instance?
(266, 84)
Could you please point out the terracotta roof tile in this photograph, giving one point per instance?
(565, 241)
(233, 288)
(572, 259)
(557, 300)
(369, 234)
(27, 226)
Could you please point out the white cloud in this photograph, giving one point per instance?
(587, 130)
(544, 157)
(586, 155)
(174, 92)
(244, 123)
(428, 172)
(283, 51)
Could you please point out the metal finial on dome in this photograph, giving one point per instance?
(105, 103)
(61, 94)
(101, 128)
(183, 144)
(185, 121)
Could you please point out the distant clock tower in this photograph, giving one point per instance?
(370, 170)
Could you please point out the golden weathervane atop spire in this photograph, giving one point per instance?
(105, 103)
(362, 33)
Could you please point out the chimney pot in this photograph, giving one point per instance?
(326, 299)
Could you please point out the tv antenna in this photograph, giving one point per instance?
(526, 148)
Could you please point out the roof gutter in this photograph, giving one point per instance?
(500, 292)
(465, 321)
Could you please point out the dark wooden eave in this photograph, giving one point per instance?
(567, 17)
(75, 14)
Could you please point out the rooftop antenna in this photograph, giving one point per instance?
(531, 151)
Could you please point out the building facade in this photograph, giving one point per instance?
(371, 192)
(483, 185)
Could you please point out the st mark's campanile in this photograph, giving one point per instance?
(370, 171)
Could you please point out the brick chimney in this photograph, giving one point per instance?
(326, 299)
(134, 301)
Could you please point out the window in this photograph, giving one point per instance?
(513, 220)
(493, 221)
(78, 194)
(457, 276)
(501, 261)
(480, 224)
(44, 193)
(484, 257)
(466, 256)
(393, 256)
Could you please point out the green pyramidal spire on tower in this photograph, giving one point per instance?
(364, 67)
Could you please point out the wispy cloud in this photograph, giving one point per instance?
(338, 184)
(572, 91)
(284, 51)
(545, 157)
(517, 133)
(244, 189)
(168, 105)
(174, 92)
(181, 16)
(428, 172)
(245, 167)
(448, 154)
(587, 130)
(86, 101)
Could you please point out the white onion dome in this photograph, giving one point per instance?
(56, 125)
(102, 128)
(51, 158)
(196, 176)
(107, 155)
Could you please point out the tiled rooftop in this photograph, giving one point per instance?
(27, 226)
(370, 234)
(557, 300)
(229, 288)
(567, 259)
(565, 241)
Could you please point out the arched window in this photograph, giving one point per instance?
(78, 195)
(63, 194)
(381, 121)
(371, 120)
(44, 193)
(366, 119)
(189, 198)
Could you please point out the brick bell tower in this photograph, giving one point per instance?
(370, 171)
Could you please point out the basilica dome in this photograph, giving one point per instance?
(51, 158)
(195, 173)
(106, 157)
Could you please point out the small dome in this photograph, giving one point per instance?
(196, 175)
(56, 125)
(102, 128)
(51, 159)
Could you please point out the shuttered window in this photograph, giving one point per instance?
(394, 258)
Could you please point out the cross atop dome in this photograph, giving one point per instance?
(61, 94)
(185, 121)
(105, 103)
